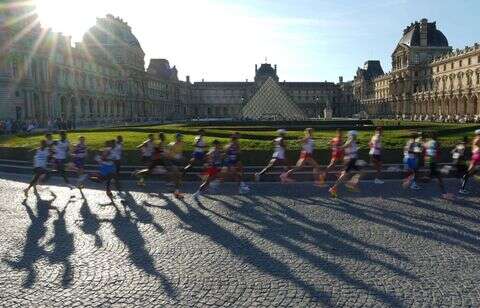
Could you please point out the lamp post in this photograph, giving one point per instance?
(317, 106)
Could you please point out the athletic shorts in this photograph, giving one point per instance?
(159, 162)
(146, 159)
(432, 166)
(60, 164)
(107, 170)
(40, 171)
(410, 163)
(376, 157)
(79, 163)
(351, 165)
(213, 171)
(198, 156)
(231, 162)
(305, 155)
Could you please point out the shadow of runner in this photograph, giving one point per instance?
(243, 249)
(64, 247)
(32, 251)
(141, 214)
(279, 230)
(129, 233)
(90, 222)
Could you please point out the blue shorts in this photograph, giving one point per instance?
(106, 170)
(79, 163)
(198, 155)
(231, 162)
(410, 163)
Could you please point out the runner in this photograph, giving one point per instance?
(432, 156)
(78, 165)
(161, 158)
(198, 155)
(61, 149)
(306, 159)
(233, 165)
(472, 169)
(176, 151)
(107, 171)
(147, 147)
(376, 153)
(337, 155)
(459, 156)
(410, 163)
(40, 170)
(278, 158)
(350, 164)
(214, 168)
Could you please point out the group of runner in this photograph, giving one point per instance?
(221, 163)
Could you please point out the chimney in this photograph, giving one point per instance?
(203, 80)
(340, 79)
(424, 32)
(275, 68)
(188, 79)
(256, 68)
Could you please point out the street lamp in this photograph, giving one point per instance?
(317, 106)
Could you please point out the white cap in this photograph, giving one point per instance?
(477, 132)
(353, 133)
(282, 131)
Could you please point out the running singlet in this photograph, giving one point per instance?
(432, 153)
(176, 149)
(117, 151)
(61, 149)
(351, 150)
(148, 149)
(107, 166)
(279, 152)
(199, 144)
(309, 146)
(459, 153)
(80, 151)
(232, 153)
(476, 153)
(215, 158)
(408, 151)
(375, 146)
(159, 151)
(337, 150)
(41, 158)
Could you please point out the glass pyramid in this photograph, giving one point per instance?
(272, 103)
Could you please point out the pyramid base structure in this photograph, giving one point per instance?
(272, 103)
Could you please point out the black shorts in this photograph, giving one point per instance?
(146, 159)
(351, 165)
(432, 166)
(375, 158)
(40, 171)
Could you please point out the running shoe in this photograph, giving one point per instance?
(352, 187)
(448, 196)
(141, 182)
(178, 195)
(333, 192)
(414, 186)
(379, 182)
(257, 177)
(197, 194)
(463, 192)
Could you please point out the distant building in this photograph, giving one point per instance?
(103, 80)
(427, 78)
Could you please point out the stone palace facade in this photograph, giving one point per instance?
(428, 78)
(103, 80)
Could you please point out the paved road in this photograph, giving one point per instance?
(280, 246)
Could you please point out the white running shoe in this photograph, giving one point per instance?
(414, 186)
(463, 192)
(257, 177)
(379, 182)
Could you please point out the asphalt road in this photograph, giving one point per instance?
(278, 246)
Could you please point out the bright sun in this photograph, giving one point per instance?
(67, 16)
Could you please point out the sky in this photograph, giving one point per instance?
(309, 40)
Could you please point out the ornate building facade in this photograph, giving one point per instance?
(428, 78)
(102, 79)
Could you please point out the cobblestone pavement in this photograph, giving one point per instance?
(279, 246)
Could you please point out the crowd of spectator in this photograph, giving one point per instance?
(10, 126)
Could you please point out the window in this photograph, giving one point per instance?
(451, 65)
(469, 61)
(460, 63)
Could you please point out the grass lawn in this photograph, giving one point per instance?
(253, 138)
